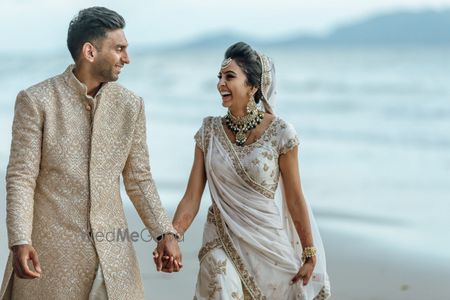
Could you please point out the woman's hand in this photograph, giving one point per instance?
(167, 255)
(305, 271)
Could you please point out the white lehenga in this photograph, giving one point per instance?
(250, 248)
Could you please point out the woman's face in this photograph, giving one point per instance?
(233, 86)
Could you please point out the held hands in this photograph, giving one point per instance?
(305, 271)
(167, 255)
(21, 255)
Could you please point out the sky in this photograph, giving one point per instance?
(30, 25)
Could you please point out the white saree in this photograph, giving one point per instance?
(250, 247)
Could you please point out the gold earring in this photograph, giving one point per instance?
(251, 104)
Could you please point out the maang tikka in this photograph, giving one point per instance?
(226, 62)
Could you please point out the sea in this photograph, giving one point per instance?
(373, 124)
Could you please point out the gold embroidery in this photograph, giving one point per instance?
(324, 293)
(206, 129)
(199, 139)
(240, 170)
(210, 216)
(248, 281)
(290, 144)
(247, 295)
(255, 161)
(218, 268)
(274, 143)
(267, 155)
(208, 247)
(277, 139)
(267, 135)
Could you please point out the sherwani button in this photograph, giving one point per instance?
(88, 107)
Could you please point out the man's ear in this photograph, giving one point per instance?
(88, 52)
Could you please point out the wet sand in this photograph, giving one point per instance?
(360, 266)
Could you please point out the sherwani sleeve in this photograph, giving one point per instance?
(23, 169)
(139, 183)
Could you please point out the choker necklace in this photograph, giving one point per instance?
(240, 126)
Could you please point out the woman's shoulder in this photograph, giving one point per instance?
(283, 126)
(286, 135)
(206, 130)
(209, 120)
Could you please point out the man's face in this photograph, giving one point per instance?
(111, 56)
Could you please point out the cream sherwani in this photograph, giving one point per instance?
(67, 154)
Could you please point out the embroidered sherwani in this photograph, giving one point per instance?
(251, 249)
(68, 152)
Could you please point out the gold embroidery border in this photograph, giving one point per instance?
(248, 281)
(225, 141)
(324, 293)
(210, 217)
(206, 134)
(208, 247)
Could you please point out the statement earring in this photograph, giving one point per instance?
(251, 104)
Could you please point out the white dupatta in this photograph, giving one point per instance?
(256, 235)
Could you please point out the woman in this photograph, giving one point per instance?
(251, 248)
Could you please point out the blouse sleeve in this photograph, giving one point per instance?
(204, 133)
(199, 137)
(288, 140)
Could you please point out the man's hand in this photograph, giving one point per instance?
(167, 255)
(21, 255)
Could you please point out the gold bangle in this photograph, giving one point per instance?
(308, 252)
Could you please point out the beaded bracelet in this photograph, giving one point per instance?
(308, 252)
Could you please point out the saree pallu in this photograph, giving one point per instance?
(258, 238)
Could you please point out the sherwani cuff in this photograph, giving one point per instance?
(19, 242)
(166, 230)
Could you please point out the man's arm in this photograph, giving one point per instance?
(142, 191)
(22, 172)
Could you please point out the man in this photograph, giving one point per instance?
(73, 136)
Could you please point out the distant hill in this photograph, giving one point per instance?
(396, 28)
(424, 27)
(219, 39)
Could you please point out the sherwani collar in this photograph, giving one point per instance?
(77, 85)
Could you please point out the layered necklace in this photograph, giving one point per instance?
(240, 126)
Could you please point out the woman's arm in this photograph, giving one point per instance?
(188, 207)
(294, 196)
(297, 208)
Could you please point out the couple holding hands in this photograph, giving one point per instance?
(75, 134)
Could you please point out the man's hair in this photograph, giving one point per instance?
(91, 25)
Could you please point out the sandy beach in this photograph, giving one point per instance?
(360, 266)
